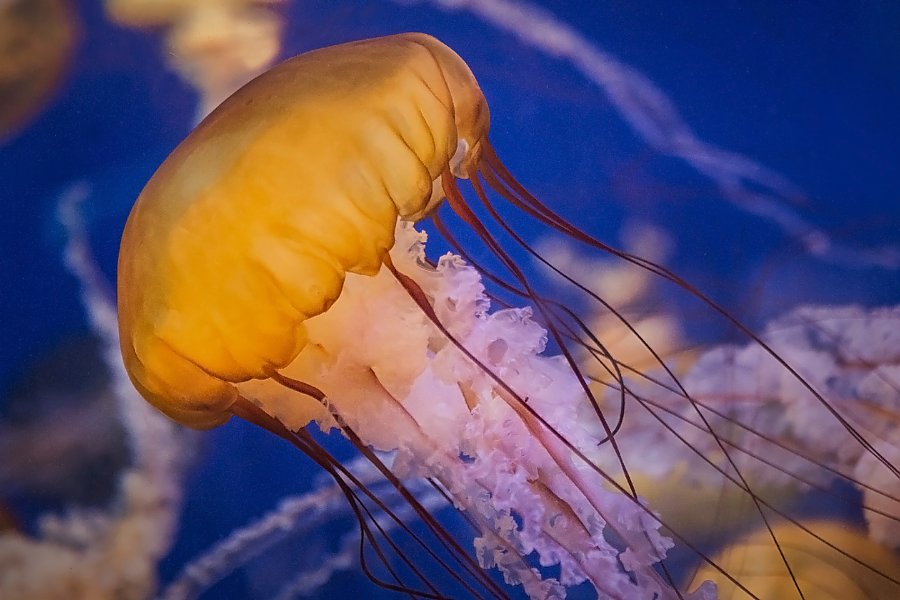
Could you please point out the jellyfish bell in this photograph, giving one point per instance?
(249, 227)
(825, 571)
(270, 270)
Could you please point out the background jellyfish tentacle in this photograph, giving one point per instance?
(70, 551)
(656, 119)
(293, 516)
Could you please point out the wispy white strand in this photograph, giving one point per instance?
(152, 437)
(293, 516)
(151, 491)
(655, 119)
(310, 581)
(113, 552)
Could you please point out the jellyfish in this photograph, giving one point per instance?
(37, 40)
(214, 46)
(271, 270)
(824, 571)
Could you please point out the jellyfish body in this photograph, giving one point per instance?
(825, 572)
(249, 227)
(242, 242)
(268, 270)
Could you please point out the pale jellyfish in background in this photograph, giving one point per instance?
(37, 39)
(774, 436)
(215, 45)
(842, 572)
(104, 552)
(636, 329)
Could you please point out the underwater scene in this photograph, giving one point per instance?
(449, 299)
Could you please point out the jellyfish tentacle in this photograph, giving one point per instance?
(521, 198)
(252, 414)
(418, 295)
(746, 485)
(454, 198)
(843, 498)
(452, 544)
(616, 372)
(786, 517)
(248, 411)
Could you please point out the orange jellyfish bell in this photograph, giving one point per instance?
(250, 226)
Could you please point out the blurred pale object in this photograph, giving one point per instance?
(883, 526)
(36, 41)
(215, 45)
(821, 571)
(772, 431)
(640, 323)
(619, 283)
(110, 550)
